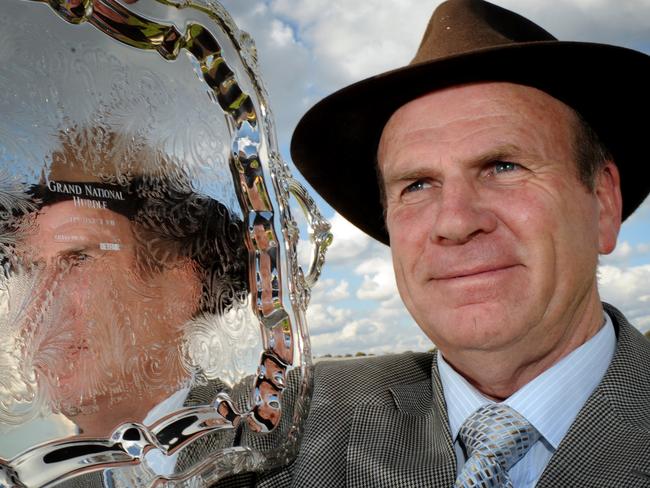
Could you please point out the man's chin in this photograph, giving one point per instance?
(480, 326)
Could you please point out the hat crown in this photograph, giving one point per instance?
(461, 26)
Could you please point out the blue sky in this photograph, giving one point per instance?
(309, 48)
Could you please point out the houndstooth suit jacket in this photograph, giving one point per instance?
(382, 422)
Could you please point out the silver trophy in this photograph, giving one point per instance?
(152, 307)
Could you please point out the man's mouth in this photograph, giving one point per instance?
(473, 272)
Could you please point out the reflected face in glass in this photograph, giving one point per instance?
(100, 329)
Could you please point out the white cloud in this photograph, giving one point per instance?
(371, 335)
(281, 34)
(378, 279)
(349, 242)
(629, 290)
(324, 319)
(329, 290)
(377, 324)
(355, 40)
(623, 22)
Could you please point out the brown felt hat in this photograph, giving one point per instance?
(335, 144)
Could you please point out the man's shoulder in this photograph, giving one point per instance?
(369, 378)
(632, 345)
(627, 381)
(384, 369)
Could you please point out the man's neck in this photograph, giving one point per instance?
(498, 374)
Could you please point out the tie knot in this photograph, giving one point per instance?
(497, 431)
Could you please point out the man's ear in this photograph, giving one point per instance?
(608, 192)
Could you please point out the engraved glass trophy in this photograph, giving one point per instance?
(152, 308)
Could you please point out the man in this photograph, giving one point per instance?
(506, 160)
(115, 277)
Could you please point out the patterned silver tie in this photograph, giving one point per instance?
(495, 437)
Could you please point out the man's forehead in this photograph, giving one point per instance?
(63, 224)
(497, 97)
(61, 227)
(69, 211)
(508, 104)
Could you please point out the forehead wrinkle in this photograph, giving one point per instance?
(413, 159)
(397, 130)
(443, 131)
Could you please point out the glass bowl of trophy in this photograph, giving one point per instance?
(152, 304)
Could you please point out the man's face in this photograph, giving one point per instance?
(494, 240)
(96, 329)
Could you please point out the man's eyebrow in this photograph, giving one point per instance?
(410, 174)
(504, 151)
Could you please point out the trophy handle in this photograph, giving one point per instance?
(320, 234)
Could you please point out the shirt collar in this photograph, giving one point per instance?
(552, 400)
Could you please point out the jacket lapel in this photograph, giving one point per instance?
(609, 442)
(405, 443)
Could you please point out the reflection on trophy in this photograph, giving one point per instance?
(118, 271)
(151, 302)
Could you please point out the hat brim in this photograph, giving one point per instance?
(334, 144)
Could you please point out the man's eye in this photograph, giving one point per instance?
(75, 258)
(504, 167)
(417, 186)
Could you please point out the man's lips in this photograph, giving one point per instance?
(472, 271)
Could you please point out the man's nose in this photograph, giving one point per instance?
(461, 213)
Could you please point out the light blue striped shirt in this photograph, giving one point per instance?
(550, 402)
